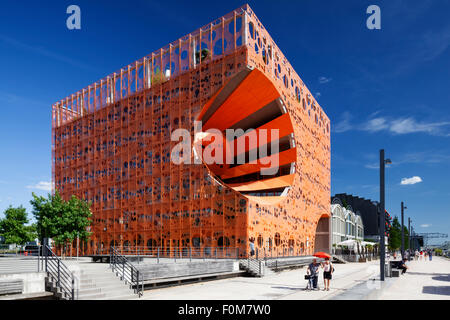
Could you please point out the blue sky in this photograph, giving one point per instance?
(385, 88)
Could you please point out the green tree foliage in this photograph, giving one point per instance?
(405, 235)
(14, 226)
(395, 239)
(63, 221)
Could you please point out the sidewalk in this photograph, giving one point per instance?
(424, 280)
(286, 285)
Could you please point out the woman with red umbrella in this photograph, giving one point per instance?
(327, 269)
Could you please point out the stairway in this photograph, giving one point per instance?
(254, 267)
(10, 265)
(96, 281)
(338, 259)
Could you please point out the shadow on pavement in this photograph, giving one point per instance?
(290, 288)
(428, 274)
(436, 290)
(442, 278)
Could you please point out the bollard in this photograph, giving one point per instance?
(59, 275)
(73, 288)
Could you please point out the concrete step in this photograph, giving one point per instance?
(114, 284)
(96, 296)
(101, 282)
(104, 293)
(98, 277)
(87, 291)
(121, 297)
(97, 281)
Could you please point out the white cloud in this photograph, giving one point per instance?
(324, 80)
(39, 50)
(401, 126)
(412, 180)
(42, 185)
(426, 225)
(376, 124)
(344, 124)
(318, 94)
(372, 166)
(409, 125)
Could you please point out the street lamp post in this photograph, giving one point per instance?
(409, 238)
(383, 163)
(403, 233)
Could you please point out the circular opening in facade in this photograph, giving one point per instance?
(247, 138)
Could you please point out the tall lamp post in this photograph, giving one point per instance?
(403, 233)
(383, 163)
(409, 238)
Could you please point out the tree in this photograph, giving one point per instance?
(395, 235)
(405, 239)
(14, 226)
(63, 221)
(74, 221)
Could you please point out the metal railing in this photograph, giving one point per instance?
(24, 256)
(59, 274)
(254, 266)
(175, 253)
(126, 271)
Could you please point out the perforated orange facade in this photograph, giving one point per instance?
(112, 146)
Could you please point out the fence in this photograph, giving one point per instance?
(20, 259)
(176, 253)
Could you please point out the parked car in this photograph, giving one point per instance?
(31, 250)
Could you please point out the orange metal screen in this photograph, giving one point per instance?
(112, 145)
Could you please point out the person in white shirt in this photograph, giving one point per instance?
(327, 272)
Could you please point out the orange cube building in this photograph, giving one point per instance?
(111, 145)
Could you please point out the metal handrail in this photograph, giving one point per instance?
(254, 265)
(60, 273)
(175, 253)
(126, 271)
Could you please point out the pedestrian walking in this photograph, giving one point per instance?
(430, 254)
(313, 274)
(328, 270)
(252, 247)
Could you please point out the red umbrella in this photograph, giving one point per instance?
(322, 255)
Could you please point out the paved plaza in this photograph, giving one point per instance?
(284, 285)
(424, 280)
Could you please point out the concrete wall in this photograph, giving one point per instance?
(172, 270)
(33, 282)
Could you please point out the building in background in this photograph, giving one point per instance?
(112, 146)
(366, 209)
(345, 225)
